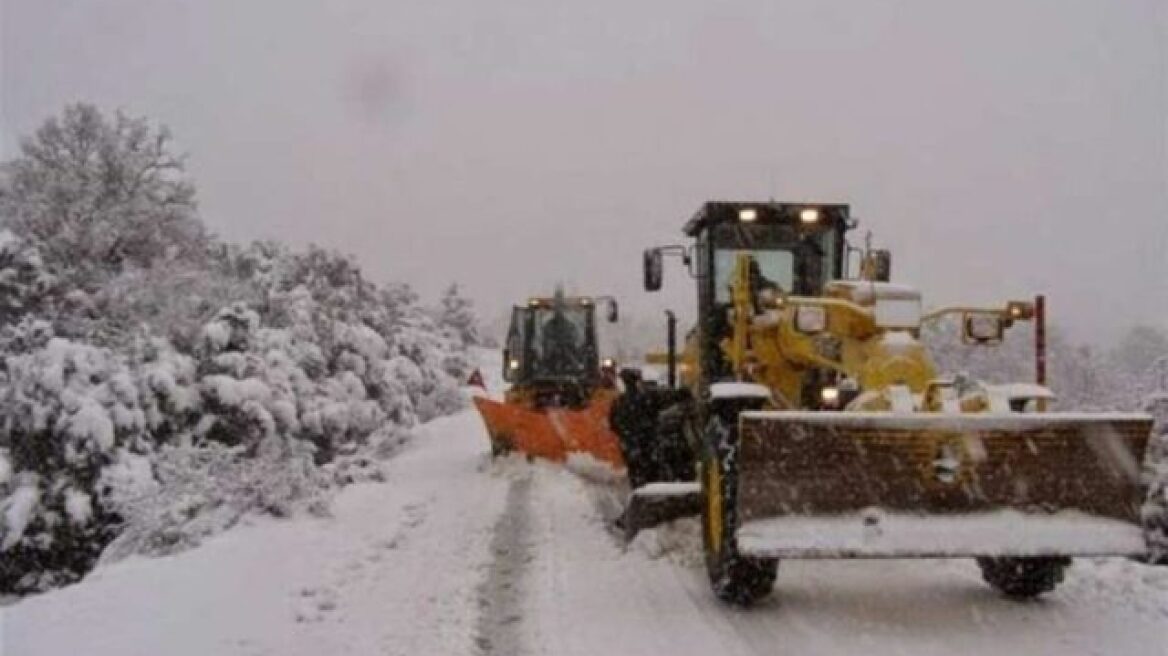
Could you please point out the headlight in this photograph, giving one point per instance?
(983, 326)
(809, 215)
(747, 215)
(608, 363)
(513, 364)
(810, 319)
(829, 395)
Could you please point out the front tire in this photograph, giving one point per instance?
(1023, 578)
(734, 578)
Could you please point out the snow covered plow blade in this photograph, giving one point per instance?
(852, 484)
(552, 432)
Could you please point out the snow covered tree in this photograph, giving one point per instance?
(1140, 348)
(456, 313)
(25, 282)
(96, 194)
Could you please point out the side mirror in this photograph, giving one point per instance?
(985, 328)
(878, 266)
(613, 311)
(654, 269)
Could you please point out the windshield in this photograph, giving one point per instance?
(798, 260)
(777, 268)
(561, 340)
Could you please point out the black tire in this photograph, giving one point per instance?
(1023, 578)
(734, 578)
(500, 446)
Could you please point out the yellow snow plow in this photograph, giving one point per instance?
(820, 428)
(560, 390)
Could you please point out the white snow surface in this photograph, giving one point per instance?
(406, 567)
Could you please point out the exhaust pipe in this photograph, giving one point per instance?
(1040, 345)
(671, 347)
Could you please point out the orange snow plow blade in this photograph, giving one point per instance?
(552, 433)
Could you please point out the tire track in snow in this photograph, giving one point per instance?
(501, 593)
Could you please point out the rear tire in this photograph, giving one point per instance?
(1023, 578)
(734, 578)
(500, 447)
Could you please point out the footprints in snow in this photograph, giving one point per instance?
(313, 604)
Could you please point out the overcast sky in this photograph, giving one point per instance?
(998, 147)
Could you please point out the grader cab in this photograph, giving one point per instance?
(821, 428)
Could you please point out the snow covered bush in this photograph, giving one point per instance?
(184, 494)
(172, 299)
(157, 384)
(1155, 511)
(268, 383)
(66, 411)
(168, 390)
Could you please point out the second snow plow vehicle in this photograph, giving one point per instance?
(560, 390)
(821, 430)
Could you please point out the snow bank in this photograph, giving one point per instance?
(588, 467)
(679, 542)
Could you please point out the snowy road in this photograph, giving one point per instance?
(456, 554)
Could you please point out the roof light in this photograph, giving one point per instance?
(747, 214)
(1020, 310)
(829, 395)
(809, 215)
